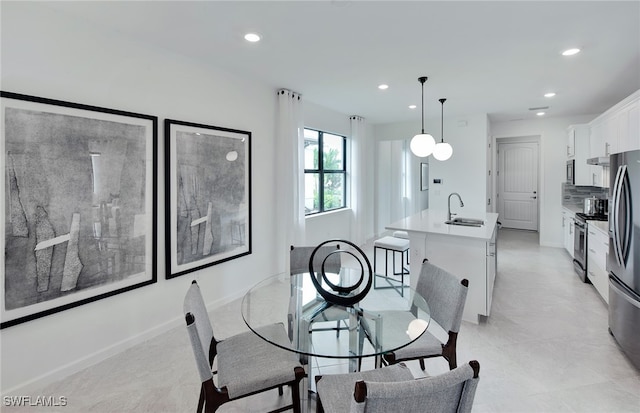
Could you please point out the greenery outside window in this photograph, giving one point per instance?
(324, 171)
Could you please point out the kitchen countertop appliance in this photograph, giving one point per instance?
(623, 260)
(595, 206)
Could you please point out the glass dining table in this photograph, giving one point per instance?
(383, 321)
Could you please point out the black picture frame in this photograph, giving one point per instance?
(208, 195)
(80, 206)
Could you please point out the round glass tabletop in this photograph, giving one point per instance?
(389, 317)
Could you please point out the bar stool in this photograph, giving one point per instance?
(394, 245)
(404, 235)
(401, 234)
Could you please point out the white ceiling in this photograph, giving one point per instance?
(484, 57)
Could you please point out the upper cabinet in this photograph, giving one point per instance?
(598, 147)
(629, 127)
(571, 142)
(618, 129)
(578, 141)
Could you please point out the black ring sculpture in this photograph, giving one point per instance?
(343, 296)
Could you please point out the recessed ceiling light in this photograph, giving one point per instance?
(252, 37)
(383, 87)
(412, 106)
(540, 114)
(549, 95)
(571, 52)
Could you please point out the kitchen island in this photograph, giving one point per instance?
(466, 251)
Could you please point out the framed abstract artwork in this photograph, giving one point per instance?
(79, 210)
(208, 193)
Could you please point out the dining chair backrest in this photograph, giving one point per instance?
(299, 259)
(200, 330)
(246, 364)
(445, 293)
(450, 392)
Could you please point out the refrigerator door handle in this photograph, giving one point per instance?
(615, 221)
(625, 236)
(614, 199)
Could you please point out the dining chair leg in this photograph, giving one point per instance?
(201, 400)
(295, 397)
(319, 408)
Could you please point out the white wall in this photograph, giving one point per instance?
(464, 172)
(325, 119)
(47, 55)
(553, 141)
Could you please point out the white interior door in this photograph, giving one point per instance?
(518, 185)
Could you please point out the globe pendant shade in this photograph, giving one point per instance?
(422, 145)
(442, 151)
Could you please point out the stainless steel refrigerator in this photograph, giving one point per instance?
(623, 262)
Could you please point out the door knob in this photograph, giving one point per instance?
(534, 197)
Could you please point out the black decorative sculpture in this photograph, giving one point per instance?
(341, 294)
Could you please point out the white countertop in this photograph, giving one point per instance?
(432, 222)
(573, 208)
(602, 226)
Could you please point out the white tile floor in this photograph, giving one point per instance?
(545, 348)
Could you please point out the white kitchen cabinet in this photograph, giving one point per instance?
(597, 149)
(568, 218)
(618, 129)
(629, 127)
(579, 136)
(597, 250)
(610, 133)
(596, 145)
(447, 252)
(463, 251)
(571, 142)
(600, 176)
(603, 139)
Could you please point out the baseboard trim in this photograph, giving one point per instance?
(106, 352)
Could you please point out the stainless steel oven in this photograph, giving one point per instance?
(580, 248)
(580, 242)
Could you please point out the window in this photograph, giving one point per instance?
(324, 171)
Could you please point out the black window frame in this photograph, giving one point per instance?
(321, 171)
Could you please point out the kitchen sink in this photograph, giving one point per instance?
(467, 222)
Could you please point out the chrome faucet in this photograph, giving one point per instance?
(449, 214)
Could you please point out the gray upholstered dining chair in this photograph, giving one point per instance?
(299, 263)
(246, 363)
(299, 259)
(446, 296)
(393, 389)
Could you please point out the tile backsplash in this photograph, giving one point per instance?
(574, 195)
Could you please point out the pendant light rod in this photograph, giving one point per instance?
(442, 100)
(422, 79)
(422, 145)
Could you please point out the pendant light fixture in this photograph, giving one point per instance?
(443, 150)
(422, 144)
